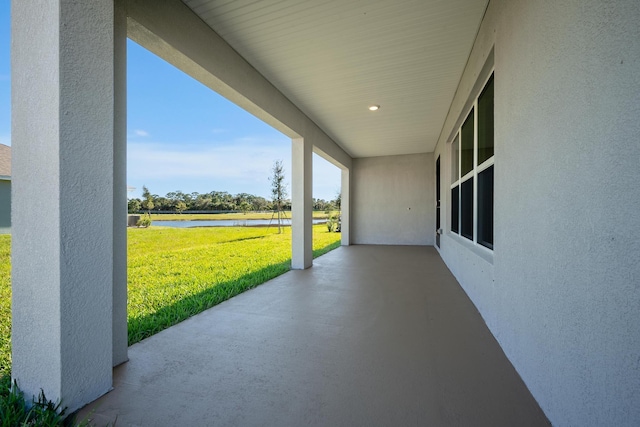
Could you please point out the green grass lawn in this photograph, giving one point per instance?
(5, 304)
(174, 273)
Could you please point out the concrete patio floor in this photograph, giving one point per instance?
(370, 336)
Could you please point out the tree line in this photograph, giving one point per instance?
(177, 201)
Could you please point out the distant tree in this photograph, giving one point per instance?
(147, 199)
(162, 203)
(338, 200)
(321, 205)
(260, 204)
(222, 201)
(244, 207)
(181, 206)
(173, 198)
(133, 206)
(190, 198)
(242, 197)
(202, 202)
(278, 191)
(219, 200)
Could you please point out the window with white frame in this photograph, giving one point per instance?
(472, 172)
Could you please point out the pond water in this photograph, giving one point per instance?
(227, 223)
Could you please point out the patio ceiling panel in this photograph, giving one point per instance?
(335, 58)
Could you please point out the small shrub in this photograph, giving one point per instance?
(330, 225)
(334, 222)
(145, 221)
(15, 411)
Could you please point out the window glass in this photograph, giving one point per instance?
(466, 134)
(485, 123)
(472, 157)
(455, 153)
(485, 207)
(455, 209)
(466, 209)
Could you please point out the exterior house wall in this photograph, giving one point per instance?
(392, 200)
(5, 206)
(561, 289)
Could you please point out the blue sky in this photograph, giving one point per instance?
(183, 136)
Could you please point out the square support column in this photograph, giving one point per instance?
(301, 204)
(63, 197)
(345, 207)
(120, 335)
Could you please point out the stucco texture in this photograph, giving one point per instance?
(62, 163)
(562, 291)
(393, 200)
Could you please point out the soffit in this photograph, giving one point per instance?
(335, 58)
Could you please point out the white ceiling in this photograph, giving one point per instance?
(334, 58)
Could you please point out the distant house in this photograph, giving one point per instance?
(5, 189)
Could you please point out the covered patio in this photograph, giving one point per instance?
(371, 335)
(503, 151)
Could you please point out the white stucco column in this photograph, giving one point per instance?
(63, 197)
(120, 343)
(345, 206)
(301, 204)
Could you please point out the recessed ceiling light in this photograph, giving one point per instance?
(374, 107)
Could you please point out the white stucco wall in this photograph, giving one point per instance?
(392, 200)
(62, 134)
(562, 289)
(302, 211)
(5, 206)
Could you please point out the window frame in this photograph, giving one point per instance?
(456, 155)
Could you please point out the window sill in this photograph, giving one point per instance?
(481, 251)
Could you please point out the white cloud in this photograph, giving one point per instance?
(140, 132)
(245, 159)
(241, 165)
